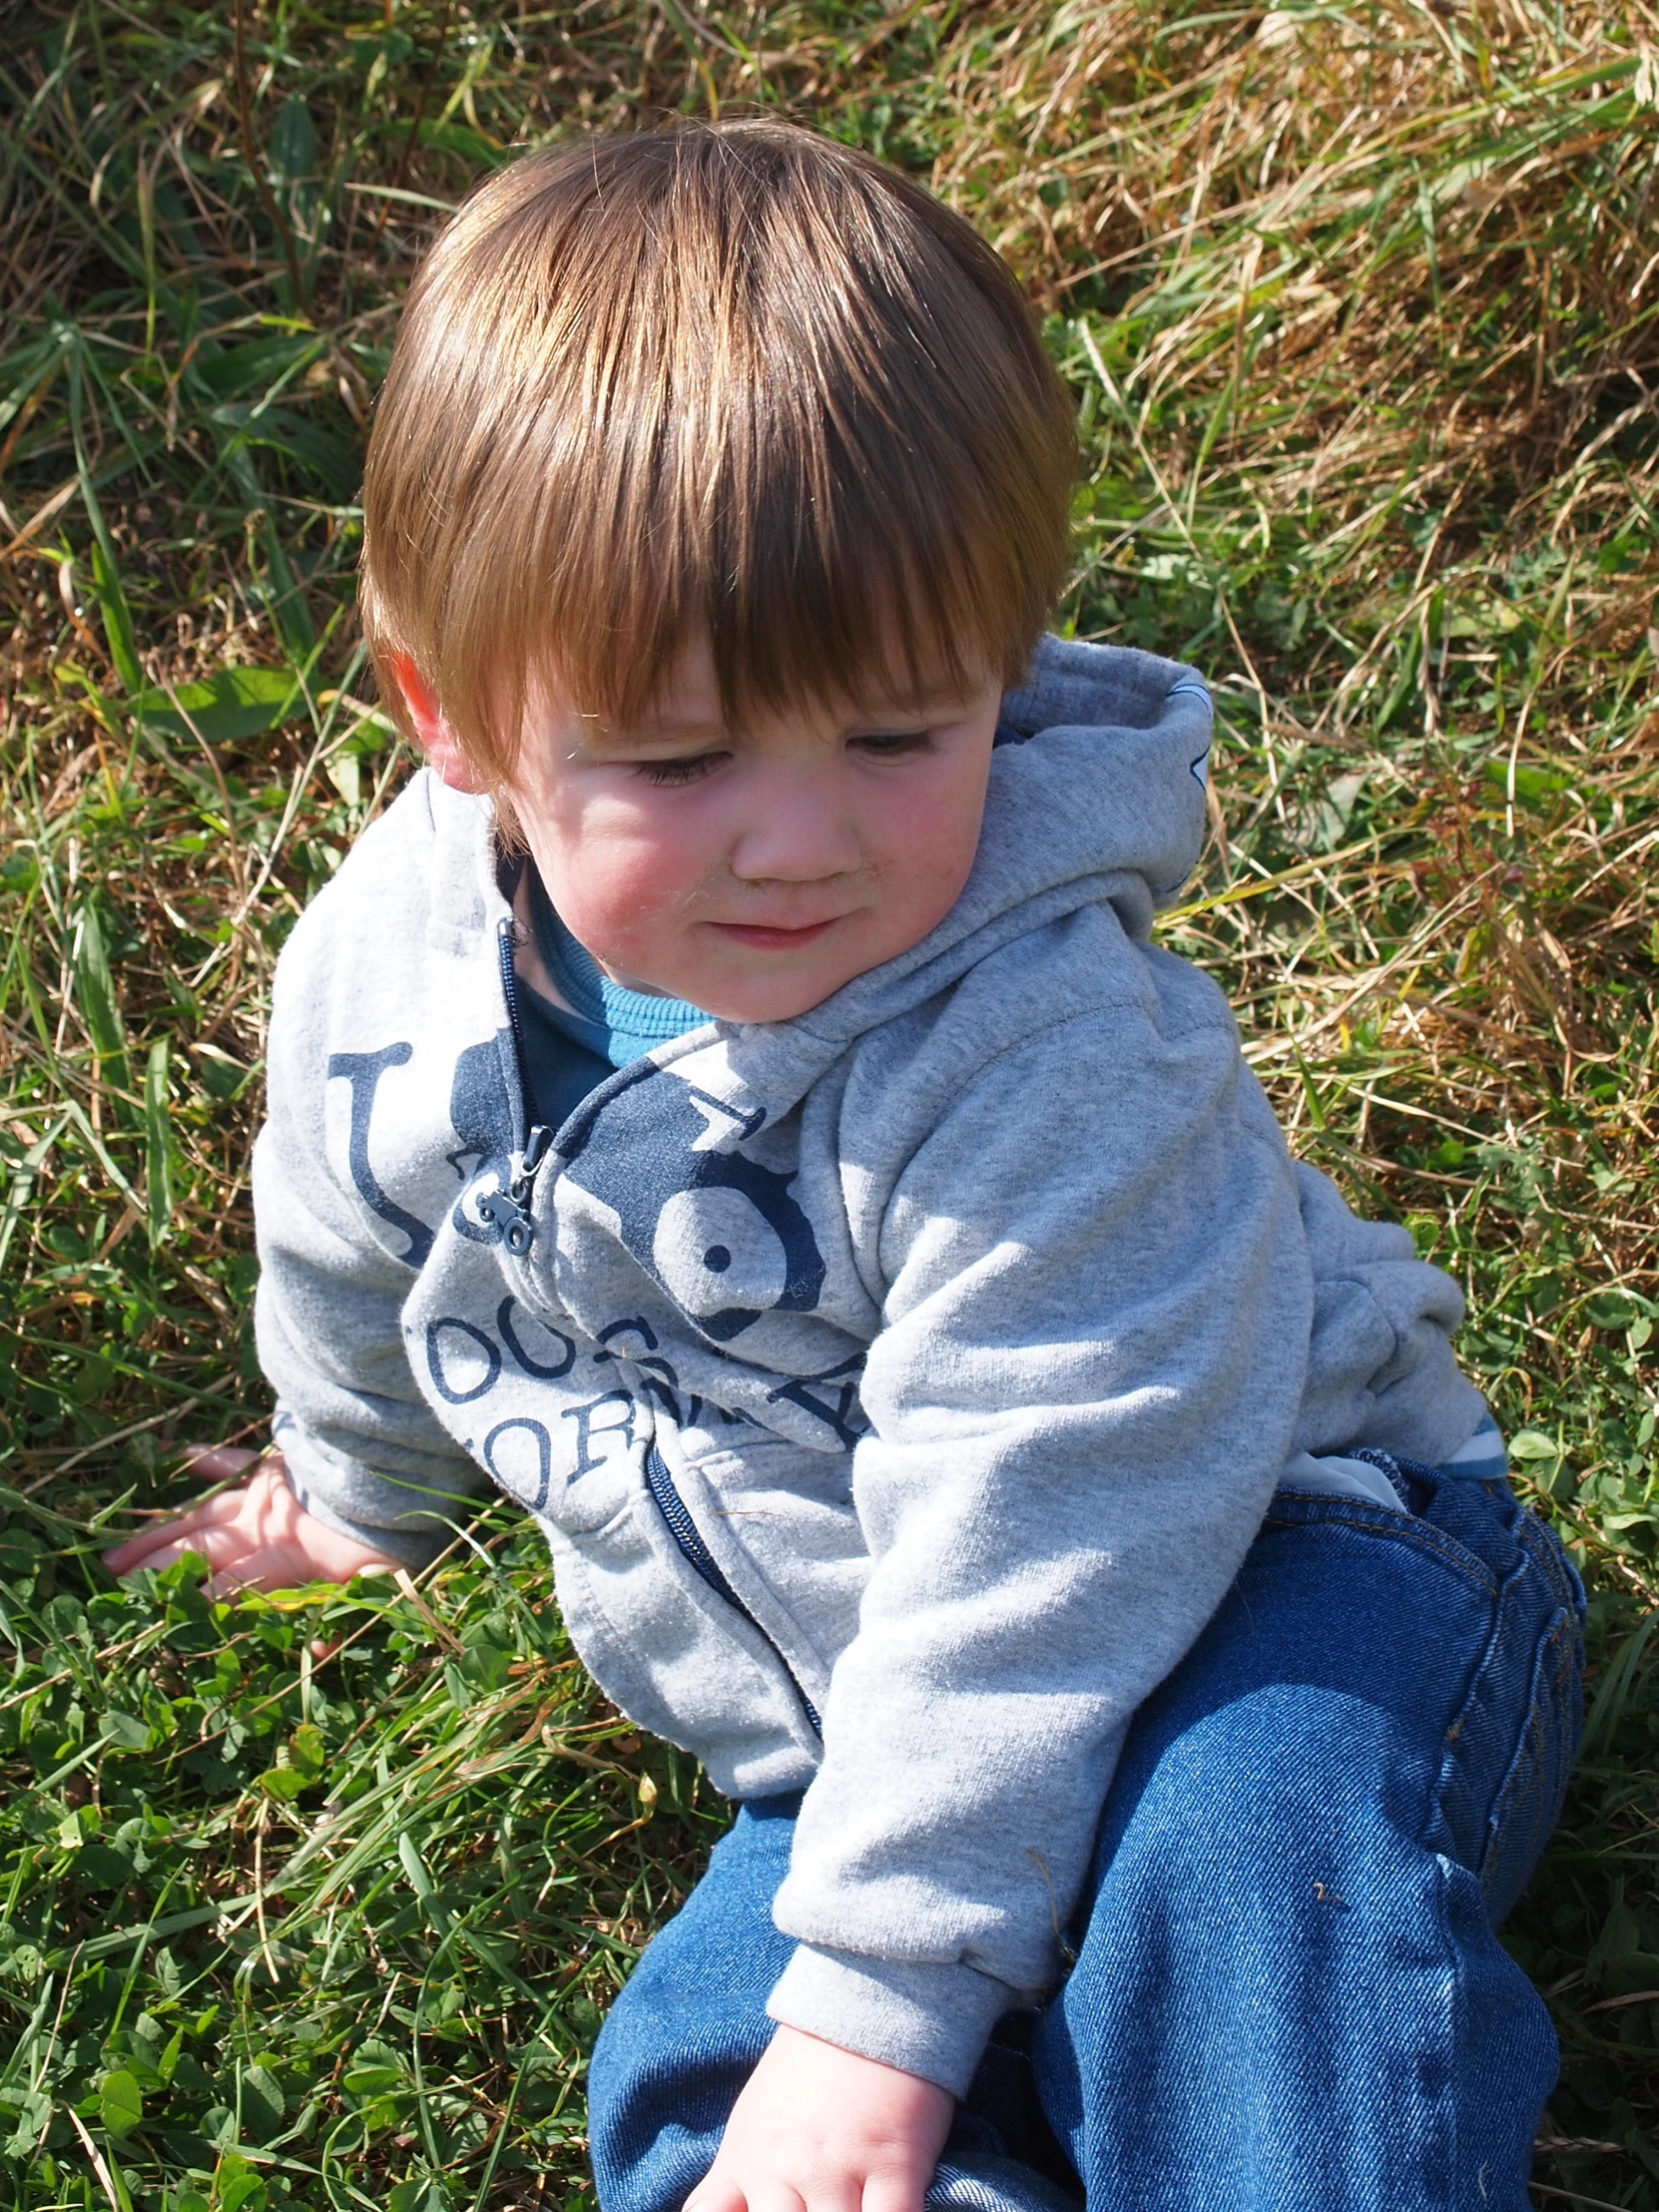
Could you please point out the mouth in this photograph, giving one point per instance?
(766, 937)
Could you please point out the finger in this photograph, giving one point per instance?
(715, 2192)
(213, 1462)
(137, 1550)
(750, 2183)
(218, 1548)
(835, 2187)
(770, 2192)
(262, 1570)
(835, 2182)
(290, 1566)
(125, 1556)
(891, 2191)
(264, 1566)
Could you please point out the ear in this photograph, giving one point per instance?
(432, 728)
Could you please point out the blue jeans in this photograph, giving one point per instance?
(1286, 1990)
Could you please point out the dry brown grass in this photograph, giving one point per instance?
(1358, 301)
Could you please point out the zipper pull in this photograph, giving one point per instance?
(510, 1208)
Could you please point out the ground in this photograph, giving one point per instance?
(1358, 301)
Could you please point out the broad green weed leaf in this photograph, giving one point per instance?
(307, 1751)
(33, 2110)
(376, 2069)
(418, 2194)
(471, 146)
(284, 1784)
(262, 2104)
(1532, 1443)
(1535, 787)
(246, 368)
(236, 703)
(236, 2186)
(486, 1665)
(120, 2103)
(293, 145)
(102, 1866)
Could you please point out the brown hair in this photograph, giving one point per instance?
(723, 380)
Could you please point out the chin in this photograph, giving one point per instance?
(764, 1009)
(763, 1002)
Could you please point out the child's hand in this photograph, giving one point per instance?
(257, 1536)
(821, 2129)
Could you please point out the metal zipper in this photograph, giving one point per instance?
(510, 1208)
(688, 1536)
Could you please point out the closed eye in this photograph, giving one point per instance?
(893, 744)
(690, 768)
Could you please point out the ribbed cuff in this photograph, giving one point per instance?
(411, 1547)
(932, 2021)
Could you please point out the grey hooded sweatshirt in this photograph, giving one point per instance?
(899, 1386)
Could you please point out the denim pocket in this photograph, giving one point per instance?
(1389, 1523)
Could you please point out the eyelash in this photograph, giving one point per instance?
(893, 744)
(883, 745)
(671, 774)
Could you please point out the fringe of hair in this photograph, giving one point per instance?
(732, 382)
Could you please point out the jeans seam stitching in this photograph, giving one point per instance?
(1436, 1821)
(1379, 1521)
(1533, 1739)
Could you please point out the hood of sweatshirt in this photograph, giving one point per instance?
(1108, 807)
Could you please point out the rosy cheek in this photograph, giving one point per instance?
(619, 890)
(935, 841)
(607, 905)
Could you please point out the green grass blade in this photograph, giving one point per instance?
(94, 993)
(157, 1136)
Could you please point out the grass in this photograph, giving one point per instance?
(1358, 300)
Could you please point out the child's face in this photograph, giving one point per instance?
(754, 872)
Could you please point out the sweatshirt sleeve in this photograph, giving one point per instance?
(1379, 1365)
(364, 1453)
(1094, 1346)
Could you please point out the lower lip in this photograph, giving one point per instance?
(774, 941)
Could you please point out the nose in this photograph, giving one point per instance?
(798, 827)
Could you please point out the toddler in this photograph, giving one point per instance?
(732, 1103)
